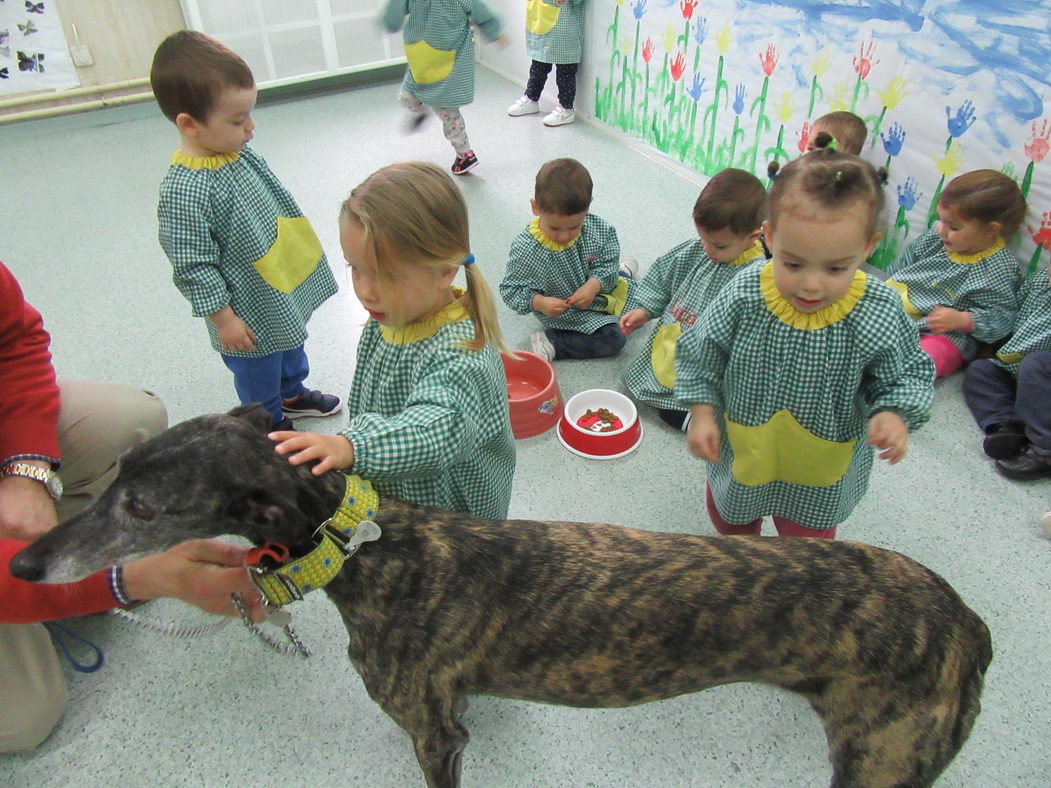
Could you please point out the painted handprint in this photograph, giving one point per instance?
(963, 119)
(894, 139)
(687, 6)
(769, 60)
(677, 66)
(738, 105)
(1037, 147)
(907, 194)
(700, 30)
(863, 61)
(697, 88)
(804, 137)
(639, 8)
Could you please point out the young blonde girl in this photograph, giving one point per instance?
(959, 281)
(428, 406)
(802, 364)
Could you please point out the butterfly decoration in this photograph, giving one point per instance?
(28, 28)
(33, 62)
(34, 8)
(3, 71)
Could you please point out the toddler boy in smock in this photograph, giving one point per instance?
(242, 252)
(564, 268)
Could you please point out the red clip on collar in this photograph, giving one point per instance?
(274, 554)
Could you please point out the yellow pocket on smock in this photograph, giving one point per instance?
(1010, 358)
(903, 291)
(427, 64)
(662, 353)
(784, 450)
(541, 17)
(293, 257)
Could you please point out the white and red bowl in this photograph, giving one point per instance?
(532, 393)
(587, 441)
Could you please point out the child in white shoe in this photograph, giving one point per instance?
(554, 36)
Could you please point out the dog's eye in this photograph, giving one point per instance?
(137, 509)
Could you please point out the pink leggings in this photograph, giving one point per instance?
(785, 527)
(947, 357)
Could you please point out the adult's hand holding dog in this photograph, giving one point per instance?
(26, 510)
(201, 572)
(331, 451)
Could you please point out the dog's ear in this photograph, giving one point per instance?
(255, 414)
(275, 514)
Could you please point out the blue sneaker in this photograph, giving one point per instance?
(283, 425)
(312, 403)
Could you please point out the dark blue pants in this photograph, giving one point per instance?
(565, 78)
(995, 396)
(269, 379)
(607, 341)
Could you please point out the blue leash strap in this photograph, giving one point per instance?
(59, 636)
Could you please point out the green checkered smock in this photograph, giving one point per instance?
(555, 33)
(429, 420)
(235, 236)
(679, 285)
(1032, 332)
(439, 46)
(985, 284)
(538, 265)
(794, 394)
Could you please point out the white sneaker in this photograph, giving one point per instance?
(629, 267)
(523, 106)
(560, 117)
(541, 345)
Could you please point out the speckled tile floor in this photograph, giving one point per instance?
(78, 227)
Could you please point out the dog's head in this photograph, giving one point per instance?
(208, 476)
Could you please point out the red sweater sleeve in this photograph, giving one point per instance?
(27, 603)
(29, 396)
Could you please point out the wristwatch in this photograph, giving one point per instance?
(47, 477)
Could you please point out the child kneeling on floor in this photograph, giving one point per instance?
(564, 268)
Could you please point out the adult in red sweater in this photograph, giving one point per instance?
(78, 429)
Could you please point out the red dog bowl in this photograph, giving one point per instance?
(532, 392)
(600, 424)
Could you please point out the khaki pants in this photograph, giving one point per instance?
(97, 423)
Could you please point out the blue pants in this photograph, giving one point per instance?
(269, 379)
(606, 341)
(995, 396)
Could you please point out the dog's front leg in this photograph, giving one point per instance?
(440, 753)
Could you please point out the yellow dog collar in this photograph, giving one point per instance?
(339, 537)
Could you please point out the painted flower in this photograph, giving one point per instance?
(804, 137)
(949, 164)
(1037, 147)
(669, 39)
(784, 108)
(678, 66)
(907, 194)
(639, 8)
(738, 105)
(1042, 236)
(687, 6)
(821, 64)
(892, 95)
(722, 39)
(894, 140)
(697, 88)
(840, 97)
(962, 121)
(626, 44)
(647, 49)
(700, 30)
(863, 61)
(769, 60)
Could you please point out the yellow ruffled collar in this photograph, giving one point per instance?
(428, 327)
(204, 162)
(547, 243)
(971, 259)
(748, 255)
(787, 313)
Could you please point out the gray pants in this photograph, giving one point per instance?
(452, 121)
(97, 423)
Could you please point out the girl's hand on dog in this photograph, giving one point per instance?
(887, 431)
(331, 451)
(703, 436)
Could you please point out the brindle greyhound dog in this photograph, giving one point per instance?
(446, 605)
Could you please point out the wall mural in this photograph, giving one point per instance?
(944, 87)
